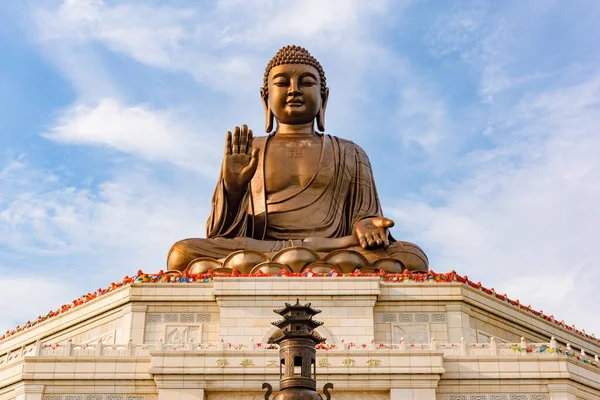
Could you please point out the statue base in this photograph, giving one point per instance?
(389, 336)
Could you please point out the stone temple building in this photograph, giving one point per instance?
(172, 336)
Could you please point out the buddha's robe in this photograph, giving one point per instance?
(341, 193)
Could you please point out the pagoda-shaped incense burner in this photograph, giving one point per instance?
(297, 342)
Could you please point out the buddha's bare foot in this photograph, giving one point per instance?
(328, 244)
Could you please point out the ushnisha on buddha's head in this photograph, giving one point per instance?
(294, 89)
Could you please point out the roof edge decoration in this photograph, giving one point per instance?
(208, 277)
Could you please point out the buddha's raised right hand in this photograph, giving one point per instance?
(240, 160)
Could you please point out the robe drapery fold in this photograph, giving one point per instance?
(341, 193)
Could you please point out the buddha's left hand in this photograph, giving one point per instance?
(373, 232)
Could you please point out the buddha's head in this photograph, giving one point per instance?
(294, 89)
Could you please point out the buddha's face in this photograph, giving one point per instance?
(294, 93)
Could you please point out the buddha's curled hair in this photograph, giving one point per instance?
(295, 55)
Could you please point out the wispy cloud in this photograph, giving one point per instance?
(47, 217)
(156, 135)
(525, 218)
(203, 41)
(81, 238)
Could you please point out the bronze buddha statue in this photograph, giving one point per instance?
(295, 187)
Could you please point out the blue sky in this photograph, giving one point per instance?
(481, 120)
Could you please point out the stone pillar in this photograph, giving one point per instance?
(459, 324)
(562, 391)
(181, 394)
(412, 394)
(29, 392)
(134, 322)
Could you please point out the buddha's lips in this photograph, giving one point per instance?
(295, 102)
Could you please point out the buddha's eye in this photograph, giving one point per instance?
(281, 83)
(308, 81)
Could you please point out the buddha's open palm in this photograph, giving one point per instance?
(240, 160)
(373, 232)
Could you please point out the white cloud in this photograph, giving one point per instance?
(157, 135)
(485, 40)
(224, 47)
(459, 32)
(131, 211)
(61, 241)
(202, 41)
(526, 219)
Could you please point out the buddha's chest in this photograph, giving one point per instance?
(290, 164)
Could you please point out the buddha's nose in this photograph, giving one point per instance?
(294, 89)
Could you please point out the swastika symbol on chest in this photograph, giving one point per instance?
(295, 153)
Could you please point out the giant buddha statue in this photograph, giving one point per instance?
(297, 197)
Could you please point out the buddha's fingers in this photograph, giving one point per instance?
(228, 143)
(250, 141)
(251, 168)
(363, 242)
(370, 239)
(244, 139)
(236, 140)
(382, 222)
(386, 240)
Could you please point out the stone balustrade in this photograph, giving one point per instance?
(462, 349)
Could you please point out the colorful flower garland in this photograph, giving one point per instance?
(185, 277)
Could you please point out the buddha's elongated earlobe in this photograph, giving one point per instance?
(321, 113)
(269, 117)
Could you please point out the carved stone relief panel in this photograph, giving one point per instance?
(175, 328)
(421, 317)
(105, 332)
(413, 327)
(485, 331)
(334, 396)
(389, 317)
(180, 333)
(98, 396)
(494, 396)
(436, 318)
(412, 333)
(359, 395)
(235, 396)
(406, 318)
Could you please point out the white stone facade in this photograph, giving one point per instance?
(409, 340)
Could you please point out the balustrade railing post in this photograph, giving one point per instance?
(553, 344)
(98, 348)
(463, 347)
(130, 348)
(493, 347)
(402, 344)
(68, 347)
(523, 346)
(37, 348)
